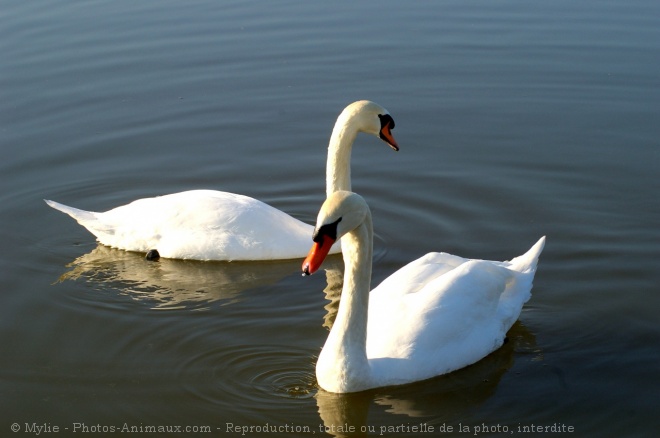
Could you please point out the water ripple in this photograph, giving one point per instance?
(258, 374)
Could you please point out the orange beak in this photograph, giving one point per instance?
(316, 255)
(387, 137)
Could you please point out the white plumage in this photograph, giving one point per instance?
(215, 225)
(435, 315)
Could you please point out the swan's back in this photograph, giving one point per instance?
(198, 224)
(442, 312)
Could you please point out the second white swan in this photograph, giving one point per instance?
(215, 225)
(435, 315)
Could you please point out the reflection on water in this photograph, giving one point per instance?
(518, 118)
(334, 278)
(174, 284)
(443, 398)
(259, 375)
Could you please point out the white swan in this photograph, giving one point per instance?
(435, 315)
(214, 225)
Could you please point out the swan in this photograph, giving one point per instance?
(435, 315)
(215, 225)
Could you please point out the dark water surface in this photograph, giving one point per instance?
(515, 120)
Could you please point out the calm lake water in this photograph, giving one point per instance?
(515, 119)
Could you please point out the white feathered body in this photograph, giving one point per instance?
(213, 225)
(442, 312)
(200, 225)
(435, 315)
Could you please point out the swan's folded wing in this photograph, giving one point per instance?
(430, 318)
(444, 311)
(417, 274)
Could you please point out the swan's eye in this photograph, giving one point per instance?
(329, 230)
(386, 119)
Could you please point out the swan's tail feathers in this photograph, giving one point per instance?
(527, 262)
(83, 217)
(95, 223)
(87, 219)
(520, 290)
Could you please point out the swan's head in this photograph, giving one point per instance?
(341, 213)
(371, 118)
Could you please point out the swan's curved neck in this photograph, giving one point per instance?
(346, 347)
(338, 170)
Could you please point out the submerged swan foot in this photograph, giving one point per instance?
(152, 255)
